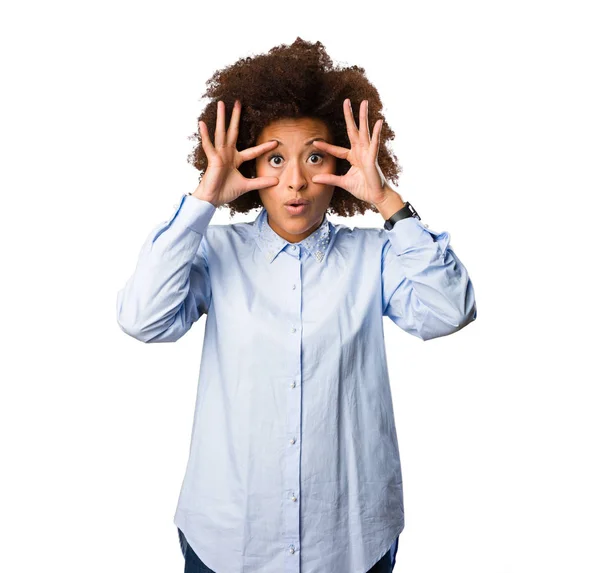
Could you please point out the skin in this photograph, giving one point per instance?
(291, 173)
(295, 163)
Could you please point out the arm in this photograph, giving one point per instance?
(426, 290)
(170, 287)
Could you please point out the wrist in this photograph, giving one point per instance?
(213, 203)
(390, 204)
(199, 194)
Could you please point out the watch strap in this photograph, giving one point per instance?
(407, 211)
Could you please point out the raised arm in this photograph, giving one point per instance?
(426, 289)
(170, 287)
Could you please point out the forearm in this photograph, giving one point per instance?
(393, 202)
(169, 288)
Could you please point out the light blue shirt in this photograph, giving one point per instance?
(294, 464)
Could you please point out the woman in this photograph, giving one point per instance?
(294, 462)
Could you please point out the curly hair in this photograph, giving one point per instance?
(292, 82)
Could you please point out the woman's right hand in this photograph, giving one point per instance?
(222, 182)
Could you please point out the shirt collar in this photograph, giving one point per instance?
(271, 243)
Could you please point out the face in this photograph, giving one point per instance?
(295, 161)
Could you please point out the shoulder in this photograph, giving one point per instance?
(222, 237)
(367, 235)
(367, 243)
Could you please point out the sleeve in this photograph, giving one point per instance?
(170, 286)
(426, 290)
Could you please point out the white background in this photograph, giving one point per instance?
(496, 114)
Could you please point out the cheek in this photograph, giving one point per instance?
(269, 197)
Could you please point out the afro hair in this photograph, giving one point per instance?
(293, 81)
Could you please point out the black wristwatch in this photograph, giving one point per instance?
(407, 211)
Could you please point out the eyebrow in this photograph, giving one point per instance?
(307, 142)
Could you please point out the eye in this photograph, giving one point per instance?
(273, 157)
(276, 155)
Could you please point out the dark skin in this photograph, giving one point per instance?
(296, 169)
(295, 161)
(364, 179)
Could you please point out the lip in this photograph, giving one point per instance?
(299, 210)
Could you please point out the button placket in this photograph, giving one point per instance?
(291, 482)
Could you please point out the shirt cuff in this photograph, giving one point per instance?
(193, 213)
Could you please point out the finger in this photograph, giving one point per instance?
(253, 152)
(350, 123)
(220, 129)
(374, 149)
(364, 122)
(341, 152)
(328, 179)
(232, 132)
(207, 145)
(261, 183)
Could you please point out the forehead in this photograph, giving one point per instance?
(292, 129)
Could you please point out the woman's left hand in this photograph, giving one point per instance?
(364, 179)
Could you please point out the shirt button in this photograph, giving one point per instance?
(292, 549)
(293, 247)
(293, 329)
(294, 498)
(293, 441)
(427, 226)
(293, 287)
(293, 384)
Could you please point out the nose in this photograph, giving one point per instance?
(296, 177)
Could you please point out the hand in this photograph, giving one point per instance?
(222, 182)
(364, 179)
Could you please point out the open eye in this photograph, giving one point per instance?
(276, 155)
(273, 157)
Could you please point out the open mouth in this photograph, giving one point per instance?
(296, 208)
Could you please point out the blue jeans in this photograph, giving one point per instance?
(193, 564)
